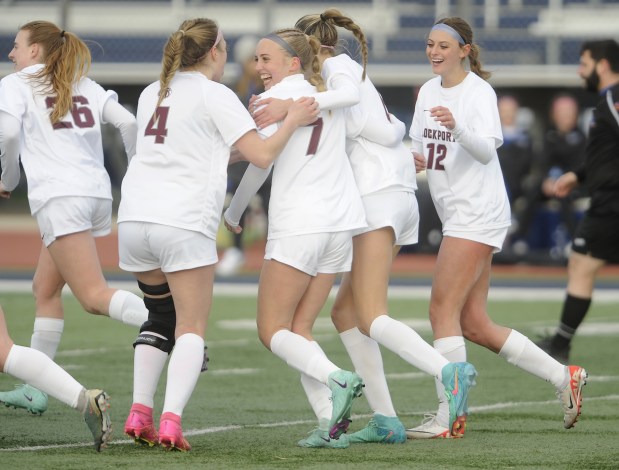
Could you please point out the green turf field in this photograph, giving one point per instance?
(249, 410)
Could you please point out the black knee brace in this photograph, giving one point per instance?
(161, 319)
(155, 341)
(161, 289)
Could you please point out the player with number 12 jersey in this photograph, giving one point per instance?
(468, 195)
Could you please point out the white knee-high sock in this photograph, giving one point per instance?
(522, 352)
(128, 308)
(46, 335)
(183, 372)
(406, 343)
(318, 394)
(299, 354)
(453, 349)
(36, 369)
(148, 364)
(365, 355)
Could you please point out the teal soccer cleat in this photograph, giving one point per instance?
(27, 397)
(458, 378)
(382, 429)
(320, 438)
(345, 387)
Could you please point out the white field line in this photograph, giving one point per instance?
(324, 324)
(397, 292)
(200, 432)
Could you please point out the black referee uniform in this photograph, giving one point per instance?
(598, 233)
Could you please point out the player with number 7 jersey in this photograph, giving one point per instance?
(313, 188)
(314, 209)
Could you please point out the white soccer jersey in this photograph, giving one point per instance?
(65, 159)
(376, 167)
(179, 173)
(467, 194)
(313, 189)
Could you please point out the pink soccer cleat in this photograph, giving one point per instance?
(139, 425)
(171, 433)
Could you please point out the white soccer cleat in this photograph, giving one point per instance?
(429, 429)
(97, 417)
(571, 396)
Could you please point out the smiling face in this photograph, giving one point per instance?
(23, 54)
(445, 53)
(273, 64)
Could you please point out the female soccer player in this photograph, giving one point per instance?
(455, 133)
(34, 367)
(170, 209)
(385, 175)
(344, 77)
(51, 115)
(313, 210)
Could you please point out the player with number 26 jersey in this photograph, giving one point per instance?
(468, 195)
(48, 154)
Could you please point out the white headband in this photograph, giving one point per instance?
(448, 29)
(220, 35)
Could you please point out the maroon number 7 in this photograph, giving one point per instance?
(315, 138)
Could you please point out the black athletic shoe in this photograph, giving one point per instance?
(561, 354)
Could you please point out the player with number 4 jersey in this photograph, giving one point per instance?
(172, 198)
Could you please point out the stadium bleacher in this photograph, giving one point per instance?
(510, 32)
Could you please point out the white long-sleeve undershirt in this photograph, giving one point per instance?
(481, 148)
(10, 129)
(117, 115)
(251, 182)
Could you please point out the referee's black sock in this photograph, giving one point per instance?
(574, 311)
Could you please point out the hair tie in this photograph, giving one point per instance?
(182, 32)
(322, 17)
(328, 47)
(62, 33)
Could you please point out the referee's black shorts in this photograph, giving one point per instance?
(598, 236)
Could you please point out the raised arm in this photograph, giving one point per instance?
(343, 92)
(261, 152)
(482, 148)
